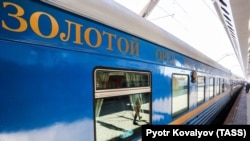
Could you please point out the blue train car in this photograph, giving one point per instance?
(91, 70)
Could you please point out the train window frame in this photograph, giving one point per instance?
(125, 100)
(202, 100)
(176, 113)
(211, 93)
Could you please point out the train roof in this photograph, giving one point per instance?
(115, 15)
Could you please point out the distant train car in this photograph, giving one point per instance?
(92, 71)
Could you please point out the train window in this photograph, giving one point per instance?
(179, 94)
(217, 86)
(222, 85)
(121, 105)
(201, 89)
(211, 87)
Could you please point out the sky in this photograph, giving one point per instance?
(196, 23)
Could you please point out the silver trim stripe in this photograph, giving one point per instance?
(121, 92)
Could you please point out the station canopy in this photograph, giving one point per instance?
(201, 24)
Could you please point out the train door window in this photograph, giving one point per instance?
(179, 94)
(217, 86)
(122, 103)
(201, 90)
(211, 87)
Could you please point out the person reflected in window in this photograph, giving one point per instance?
(137, 109)
(247, 87)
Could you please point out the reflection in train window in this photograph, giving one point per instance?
(211, 87)
(217, 86)
(111, 79)
(222, 85)
(201, 90)
(119, 113)
(179, 94)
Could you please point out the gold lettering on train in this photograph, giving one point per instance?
(18, 16)
(158, 55)
(90, 36)
(124, 41)
(134, 50)
(110, 39)
(78, 27)
(98, 36)
(34, 19)
(165, 57)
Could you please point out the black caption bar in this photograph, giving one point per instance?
(195, 132)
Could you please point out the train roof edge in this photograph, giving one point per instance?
(119, 17)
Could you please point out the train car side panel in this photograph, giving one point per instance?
(67, 77)
(43, 91)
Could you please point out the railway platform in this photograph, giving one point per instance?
(240, 111)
